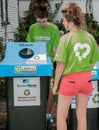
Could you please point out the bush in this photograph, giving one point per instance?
(2, 89)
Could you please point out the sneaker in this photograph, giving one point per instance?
(49, 118)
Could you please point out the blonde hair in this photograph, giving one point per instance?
(72, 12)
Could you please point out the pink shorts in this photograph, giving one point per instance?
(72, 84)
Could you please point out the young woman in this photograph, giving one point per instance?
(47, 32)
(76, 55)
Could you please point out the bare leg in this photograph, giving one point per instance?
(49, 102)
(81, 108)
(62, 111)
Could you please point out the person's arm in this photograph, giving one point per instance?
(93, 64)
(58, 73)
(54, 50)
(55, 47)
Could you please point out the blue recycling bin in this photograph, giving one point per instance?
(26, 68)
(93, 105)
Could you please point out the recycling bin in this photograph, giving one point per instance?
(93, 105)
(27, 75)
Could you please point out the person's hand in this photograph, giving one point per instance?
(55, 90)
(61, 32)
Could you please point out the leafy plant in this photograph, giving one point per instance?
(92, 25)
(2, 80)
(2, 50)
(2, 89)
(24, 24)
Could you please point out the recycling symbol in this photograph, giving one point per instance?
(17, 69)
(36, 57)
(27, 92)
(95, 99)
(81, 46)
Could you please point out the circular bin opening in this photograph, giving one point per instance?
(26, 53)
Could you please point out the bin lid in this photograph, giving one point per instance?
(26, 59)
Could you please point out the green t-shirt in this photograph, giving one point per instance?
(78, 50)
(49, 34)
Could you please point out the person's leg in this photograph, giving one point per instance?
(49, 105)
(49, 102)
(62, 111)
(50, 95)
(81, 109)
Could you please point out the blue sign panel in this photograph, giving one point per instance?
(26, 59)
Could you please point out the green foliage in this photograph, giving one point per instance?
(24, 24)
(2, 50)
(2, 88)
(2, 80)
(60, 25)
(92, 25)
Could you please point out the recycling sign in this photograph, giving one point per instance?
(96, 98)
(27, 91)
(93, 101)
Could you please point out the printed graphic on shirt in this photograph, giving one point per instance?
(81, 50)
(42, 38)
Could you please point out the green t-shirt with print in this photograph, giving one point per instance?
(49, 34)
(78, 50)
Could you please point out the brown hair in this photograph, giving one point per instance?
(72, 12)
(41, 12)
